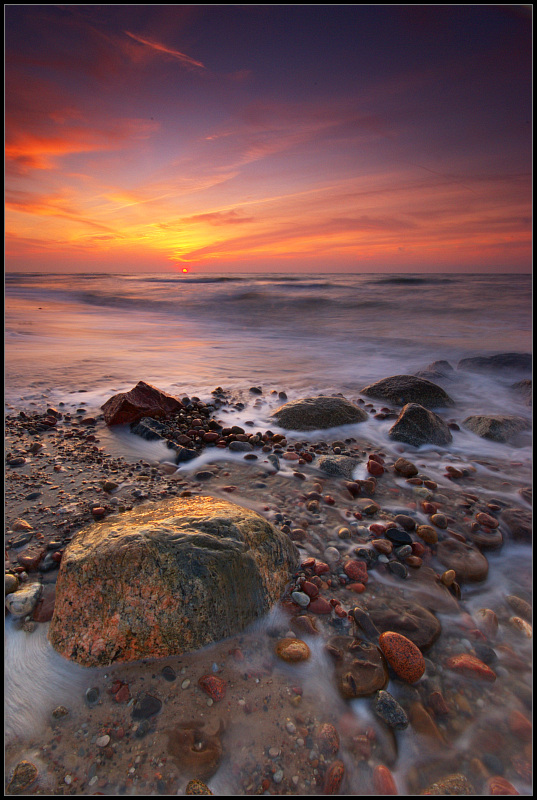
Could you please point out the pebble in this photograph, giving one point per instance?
(320, 606)
(356, 571)
(334, 778)
(146, 706)
(388, 709)
(292, 650)
(499, 785)
(405, 468)
(398, 536)
(92, 696)
(427, 533)
(487, 622)
(396, 568)
(11, 583)
(24, 600)
(451, 784)
(440, 520)
(520, 607)
(301, 598)
(196, 786)
(23, 777)
(213, 686)
(102, 741)
(522, 626)
(185, 684)
(470, 666)
(383, 781)
(403, 656)
(328, 739)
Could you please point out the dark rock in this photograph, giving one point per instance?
(398, 536)
(417, 425)
(437, 370)
(403, 389)
(398, 569)
(240, 447)
(469, 564)
(185, 454)
(142, 401)
(360, 667)
(146, 706)
(519, 362)
(312, 413)
(149, 429)
(167, 578)
(498, 427)
(388, 709)
(406, 618)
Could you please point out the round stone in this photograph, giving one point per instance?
(328, 739)
(398, 536)
(427, 533)
(360, 668)
(196, 786)
(402, 655)
(469, 564)
(292, 650)
(487, 538)
(398, 569)
(146, 706)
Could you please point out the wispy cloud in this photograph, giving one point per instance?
(169, 51)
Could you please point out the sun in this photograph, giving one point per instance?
(185, 269)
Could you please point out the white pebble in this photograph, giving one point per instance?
(290, 728)
(185, 684)
(278, 776)
(102, 741)
(93, 781)
(68, 779)
(210, 701)
(274, 752)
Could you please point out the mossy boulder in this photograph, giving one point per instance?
(314, 413)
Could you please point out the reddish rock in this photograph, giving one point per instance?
(143, 400)
(334, 778)
(403, 656)
(520, 726)
(376, 457)
(486, 520)
(356, 587)
(406, 468)
(383, 781)
(438, 705)
(377, 529)
(320, 606)
(499, 785)
(471, 667)
(356, 571)
(213, 686)
(320, 568)
(45, 605)
(374, 468)
(427, 533)
(383, 546)
(328, 739)
(123, 694)
(30, 560)
(310, 589)
(292, 650)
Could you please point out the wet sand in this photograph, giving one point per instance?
(273, 712)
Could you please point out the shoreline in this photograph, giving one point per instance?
(273, 746)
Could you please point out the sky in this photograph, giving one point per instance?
(255, 138)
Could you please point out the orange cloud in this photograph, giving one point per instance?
(161, 48)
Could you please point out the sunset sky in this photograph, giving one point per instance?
(268, 138)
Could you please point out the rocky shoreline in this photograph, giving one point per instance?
(274, 709)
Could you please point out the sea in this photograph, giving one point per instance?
(79, 339)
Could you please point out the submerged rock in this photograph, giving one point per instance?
(417, 425)
(497, 427)
(312, 413)
(524, 389)
(468, 563)
(519, 362)
(402, 389)
(144, 400)
(360, 668)
(165, 579)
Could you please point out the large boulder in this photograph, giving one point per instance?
(514, 362)
(417, 425)
(437, 371)
(167, 578)
(497, 427)
(402, 389)
(143, 400)
(313, 413)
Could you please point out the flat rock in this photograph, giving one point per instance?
(517, 362)
(313, 413)
(469, 564)
(167, 578)
(360, 667)
(405, 617)
(417, 425)
(144, 400)
(497, 427)
(403, 389)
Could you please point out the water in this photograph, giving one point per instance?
(78, 339)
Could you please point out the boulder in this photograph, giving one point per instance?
(514, 362)
(524, 389)
(312, 413)
(143, 400)
(417, 425)
(402, 389)
(497, 427)
(167, 578)
(436, 371)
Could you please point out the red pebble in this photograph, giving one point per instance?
(356, 587)
(438, 704)
(308, 563)
(374, 468)
(340, 612)
(356, 571)
(383, 781)
(377, 528)
(213, 686)
(418, 549)
(486, 520)
(320, 568)
(403, 656)
(329, 500)
(499, 785)
(520, 726)
(334, 778)
(376, 457)
(310, 589)
(123, 695)
(471, 666)
(320, 606)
